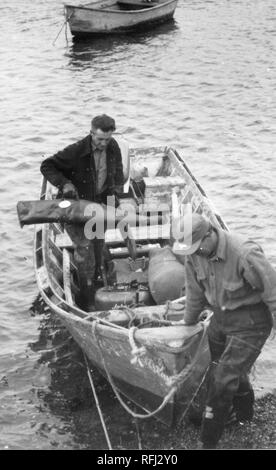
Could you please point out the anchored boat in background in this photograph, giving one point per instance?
(135, 336)
(117, 16)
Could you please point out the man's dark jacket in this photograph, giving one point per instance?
(75, 164)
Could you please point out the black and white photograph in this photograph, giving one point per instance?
(138, 228)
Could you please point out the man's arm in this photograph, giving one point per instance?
(262, 277)
(195, 297)
(119, 174)
(53, 168)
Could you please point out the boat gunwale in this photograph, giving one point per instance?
(79, 313)
(107, 10)
(107, 330)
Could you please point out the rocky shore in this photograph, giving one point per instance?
(258, 434)
(79, 427)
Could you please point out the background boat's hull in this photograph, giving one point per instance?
(84, 22)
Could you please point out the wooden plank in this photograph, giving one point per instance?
(42, 277)
(152, 232)
(67, 277)
(122, 252)
(55, 251)
(163, 182)
(63, 240)
(56, 227)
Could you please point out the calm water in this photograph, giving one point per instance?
(204, 84)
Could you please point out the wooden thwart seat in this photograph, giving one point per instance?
(153, 232)
(136, 4)
(114, 236)
(63, 240)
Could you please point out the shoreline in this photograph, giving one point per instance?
(260, 433)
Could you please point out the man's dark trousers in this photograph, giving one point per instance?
(235, 339)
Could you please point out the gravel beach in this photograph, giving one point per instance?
(258, 434)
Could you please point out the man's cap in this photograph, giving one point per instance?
(195, 229)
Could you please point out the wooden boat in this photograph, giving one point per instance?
(143, 348)
(117, 16)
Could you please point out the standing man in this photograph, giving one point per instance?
(89, 169)
(233, 277)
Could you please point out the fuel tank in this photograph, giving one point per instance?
(166, 275)
(109, 297)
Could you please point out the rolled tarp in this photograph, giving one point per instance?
(56, 210)
(76, 212)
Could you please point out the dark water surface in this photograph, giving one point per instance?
(204, 84)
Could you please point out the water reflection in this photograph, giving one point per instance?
(68, 395)
(85, 50)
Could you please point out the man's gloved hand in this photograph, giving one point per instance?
(205, 314)
(69, 191)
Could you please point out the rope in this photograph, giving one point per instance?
(135, 351)
(143, 321)
(194, 395)
(66, 31)
(139, 353)
(138, 435)
(131, 315)
(97, 403)
(114, 388)
(59, 32)
(64, 24)
(185, 373)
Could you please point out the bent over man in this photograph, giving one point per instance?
(233, 277)
(89, 169)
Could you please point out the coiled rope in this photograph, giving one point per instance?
(138, 352)
(114, 388)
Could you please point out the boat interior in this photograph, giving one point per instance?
(137, 268)
(124, 5)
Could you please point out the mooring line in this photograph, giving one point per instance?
(97, 402)
(64, 24)
(138, 434)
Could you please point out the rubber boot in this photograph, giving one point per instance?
(195, 416)
(243, 404)
(212, 428)
(86, 297)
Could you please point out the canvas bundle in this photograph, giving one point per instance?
(73, 211)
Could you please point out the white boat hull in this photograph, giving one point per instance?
(85, 21)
